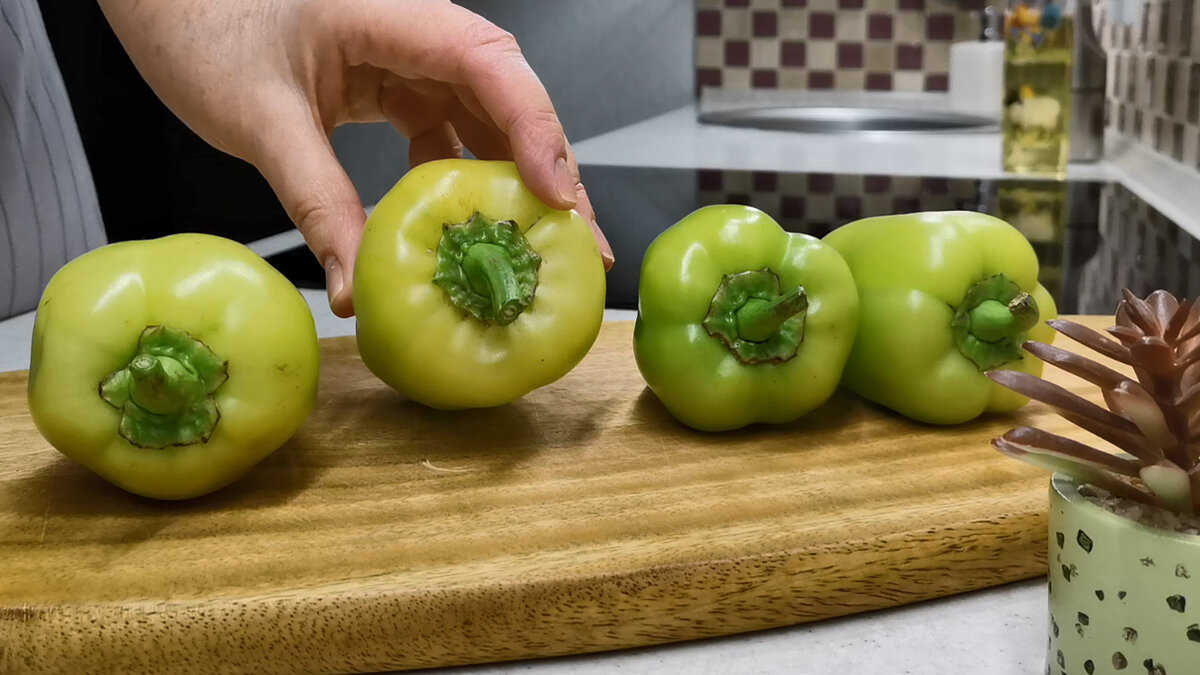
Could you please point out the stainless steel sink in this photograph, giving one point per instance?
(844, 119)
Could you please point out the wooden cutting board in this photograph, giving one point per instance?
(581, 518)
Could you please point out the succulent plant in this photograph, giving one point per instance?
(1154, 419)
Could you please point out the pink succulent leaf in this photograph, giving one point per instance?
(1140, 313)
(1164, 305)
(1154, 356)
(1189, 400)
(1192, 328)
(1170, 484)
(1091, 339)
(1133, 443)
(1178, 321)
(1134, 403)
(1189, 358)
(1054, 395)
(1125, 334)
(1096, 373)
(1046, 443)
(1080, 471)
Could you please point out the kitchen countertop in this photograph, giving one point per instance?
(999, 631)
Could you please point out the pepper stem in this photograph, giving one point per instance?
(487, 269)
(759, 319)
(490, 272)
(990, 324)
(755, 319)
(165, 392)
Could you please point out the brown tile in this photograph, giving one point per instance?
(905, 204)
(792, 206)
(765, 24)
(909, 57)
(937, 82)
(876, 184)
(710, 180)
(850, 4)
(848, 207)
(939, 27)
(737, 3)
(820, 183)
(708, 77)
(708, 22)
(912, 4)
(765, 181)
(822, 24)
(764, 79)
(849, 55)
(791, 53)
(795, 3)
(879, 27)
(820, 79)
(879, 81)
(737, 53)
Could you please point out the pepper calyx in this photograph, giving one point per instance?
(991, 322)
(165, 392)
(756, 319)
(487, 269)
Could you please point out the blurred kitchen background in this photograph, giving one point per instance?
(608, 64)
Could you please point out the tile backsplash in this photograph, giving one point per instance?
(1154, 77)
(901, 45)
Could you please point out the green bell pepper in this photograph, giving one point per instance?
(172, 366)
(740, 321)
(945, 296)
(469, 291)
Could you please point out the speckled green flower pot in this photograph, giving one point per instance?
(1124, 598)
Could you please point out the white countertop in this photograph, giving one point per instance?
(1000, 631)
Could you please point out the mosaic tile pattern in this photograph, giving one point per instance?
(1139, 249)
(901, 45)
(1154, 78)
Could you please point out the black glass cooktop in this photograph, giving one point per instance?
(1092, 238)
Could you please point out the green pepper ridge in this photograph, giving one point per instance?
(487, 269)
(165, 392)
(755, 319)
(990, 324)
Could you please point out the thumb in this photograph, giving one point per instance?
(319, 197)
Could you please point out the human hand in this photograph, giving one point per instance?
(269, 81)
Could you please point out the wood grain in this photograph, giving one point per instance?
(581, 518)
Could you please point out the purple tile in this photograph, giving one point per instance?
(766, 24)
(708, 22)
(708, 77)
(820, 183)
(737, 3)
(879, 81)
(910, 57)
(791, 53)
(792, 206)
(937, 82)
(738, 198)
(711, 180)
(877, 184)
(821, 25)
(905, 205)
(850, 4)
(820, 79)
(795, 3)
(848, 207)
(935, 186)
(849, 55)
(766, 181)
(879, 27)
(737, 53)
(939, 27)
(764, 79)
(912, 4)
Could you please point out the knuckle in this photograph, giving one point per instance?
(487, 49)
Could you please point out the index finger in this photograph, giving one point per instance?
(445, 42)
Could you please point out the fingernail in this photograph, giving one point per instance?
(566, 182)
(334, 281)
